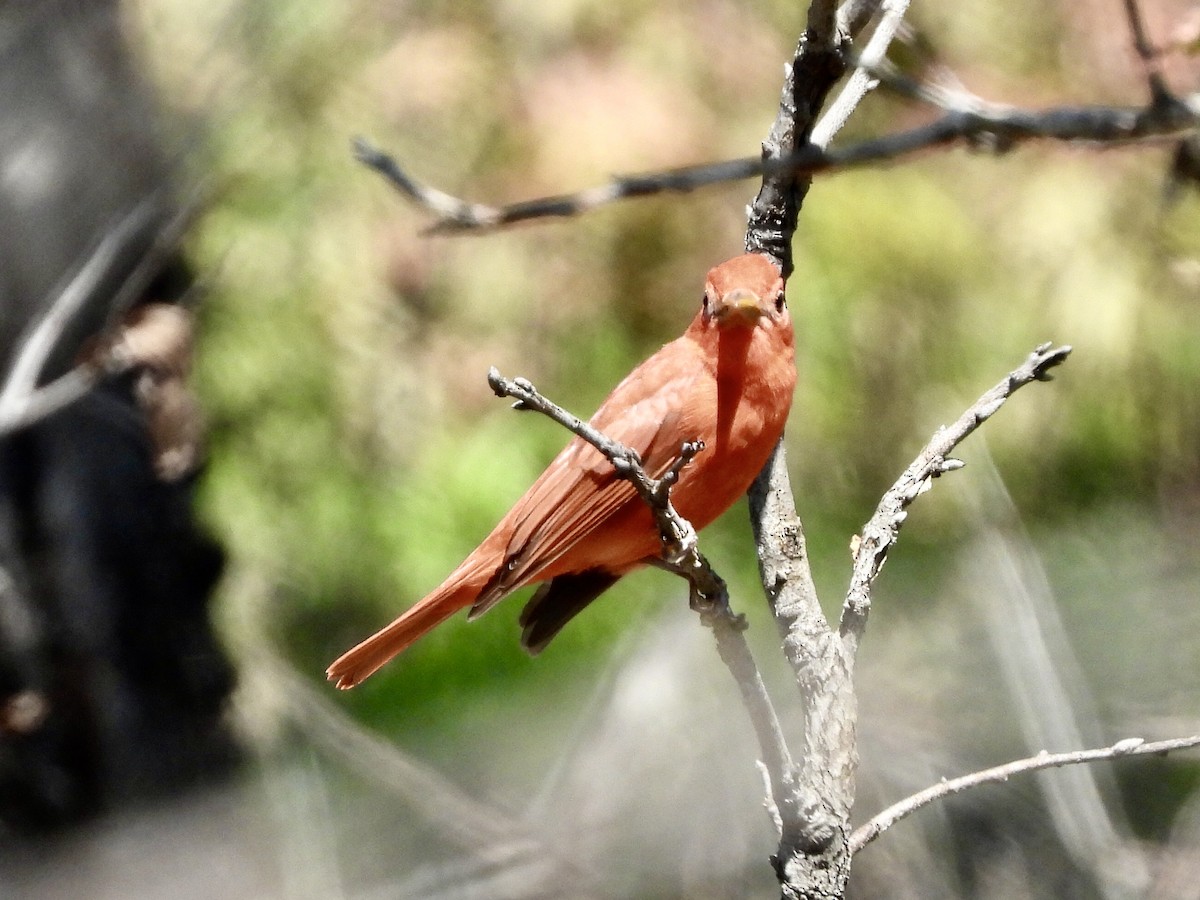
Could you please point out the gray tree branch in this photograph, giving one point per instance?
(1127, 747)
(982, 125)
(880, 533)
(22, 400)
(811, 859)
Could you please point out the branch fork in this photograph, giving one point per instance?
(678, 536)
(870, 550)
(680, 554)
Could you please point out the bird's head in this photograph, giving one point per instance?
(745, 292)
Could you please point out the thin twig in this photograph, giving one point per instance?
(681, 556)
(729, 632)
(1167, 116)
(43, 338)
(984, 125)
(679, 538)
(22, 401)
(1128, 747)
(21, 411)
(455, 215)
(881, 532)
(862, 81)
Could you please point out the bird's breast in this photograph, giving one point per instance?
(739, 413)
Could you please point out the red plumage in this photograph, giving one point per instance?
(728, 382)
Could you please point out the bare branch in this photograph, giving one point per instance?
(22, 410)
(824, 787)
(817, 65)
(708, 593)
(1128, 747)
(822, 22)
(43, 338)
(883, 529)
(22, 401)
(1001, 127)
(679, 538)
(810, 860)
(455, 215)
(982, 125)
(862, 81)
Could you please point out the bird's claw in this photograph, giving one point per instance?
(679, 542)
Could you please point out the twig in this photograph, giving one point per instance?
(994, 126)
(862, 81)
(1128, 747)
(882, 531)
(855, 15)
(679, 538)
(729, 632)
(455, 215)
(708, 594)
(41, 341)
(22, 401)
(20, 411)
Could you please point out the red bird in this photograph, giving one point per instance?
(727, 381)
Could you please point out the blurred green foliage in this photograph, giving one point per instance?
(356, 452)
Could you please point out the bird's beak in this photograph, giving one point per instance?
(740, 303)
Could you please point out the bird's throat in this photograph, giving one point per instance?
(733, 353)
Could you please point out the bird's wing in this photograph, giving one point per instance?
(580, 490)
(557, 602)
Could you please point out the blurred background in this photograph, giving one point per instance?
(1043, 598)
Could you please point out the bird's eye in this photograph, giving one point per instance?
(780, 302)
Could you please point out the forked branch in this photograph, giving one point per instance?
(883, 529)
(979, 125)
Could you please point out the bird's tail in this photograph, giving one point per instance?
(456, 592)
